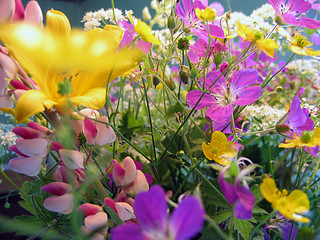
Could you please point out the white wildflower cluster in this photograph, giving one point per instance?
(7, 138)
(307, 67)
(101, 17)
(264, 117)
(259, 20)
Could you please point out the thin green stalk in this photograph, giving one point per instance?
(270, 215)
(216, 227)
(150, 120)
(114, 14)
(266, 82)
(211, 185)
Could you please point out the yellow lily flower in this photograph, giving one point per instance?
(290, 206)
(308, 139)
(56, 53)
(299, 44)
(265, 45)
(219, 149)
(206, 14)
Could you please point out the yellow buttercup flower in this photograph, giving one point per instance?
(265, 45)
(290, 206)
(219, 149)
(206, 14)
(144, 30)
(307, 139)
(299, 44)
(56, 53)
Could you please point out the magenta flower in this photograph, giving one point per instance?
(222, 95)
(151, 210)
(296, 120)
(239, 194)
(289, 13)
(190, 19)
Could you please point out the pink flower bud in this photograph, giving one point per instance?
(89, 209)
(33, 13)
(30, 166)
(19, 11)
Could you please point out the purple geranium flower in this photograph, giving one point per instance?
(222, 96)
(239, 194)
(283, 225)
(289, 12)
(296, 120)
(151, 210)
(190, 19)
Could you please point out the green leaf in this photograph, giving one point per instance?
(222, 215)
(244, 227)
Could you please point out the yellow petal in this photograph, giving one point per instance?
(206, 14)
(58, 23)
(269, 189)
(115, 33)
(145, 32)
(207, 151)
(267, 46)
(30, 103)
(299, 200)
(94, 98)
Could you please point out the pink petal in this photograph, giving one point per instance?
(27, 133)
(37, 147)
(140, 184)
(6, 10)
(71, 158)
(62, 204)
(57, 188)
(105, 134)
(19, 11)
(39, 127)
(125, 211)
(112, 204)
(18, 84)
(14, 148)
(33, 13)
(131, 170)
(118, 173)
(7, 65)
(90, 131)
(29, 166)
(89, 209)
(96, 221)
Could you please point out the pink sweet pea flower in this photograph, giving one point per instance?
(99, 133)
(124, 175)
(289, 12)
(72, 159)
(62, 201)
(123, 209)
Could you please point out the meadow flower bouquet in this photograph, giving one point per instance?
(206, 128)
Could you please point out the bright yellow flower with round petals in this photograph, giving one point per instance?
(206, 14)
(290, 206)
(219, 149)
(265, 45)
(307, 139)
(299, 44)
(144, 30)
(56, 53)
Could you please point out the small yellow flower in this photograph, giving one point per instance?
(307, 139)
(265, 45)
(144, 30)
(219, 149)
(299, 44)
(290, 206)
(207, 14)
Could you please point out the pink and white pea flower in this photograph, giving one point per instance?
(124, 175)
(123, 209)
(13, 10)
(62, 199)
(31, 148)
(95, 218)
(98, 133)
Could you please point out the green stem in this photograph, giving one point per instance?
(216, 227)
(270, 215)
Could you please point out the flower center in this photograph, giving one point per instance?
(301, 41)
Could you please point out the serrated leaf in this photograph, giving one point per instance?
(244, 227)
(223, 215)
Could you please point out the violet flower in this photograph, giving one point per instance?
(289, 13)
(283, 225)
(192, 22)
(296, 120)
(239, 194)
(222, 96)
(151, 210)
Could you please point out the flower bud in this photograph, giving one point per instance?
(184, 74)
(183, 43)
(58, 23)
(171, 23)
(146, 14)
